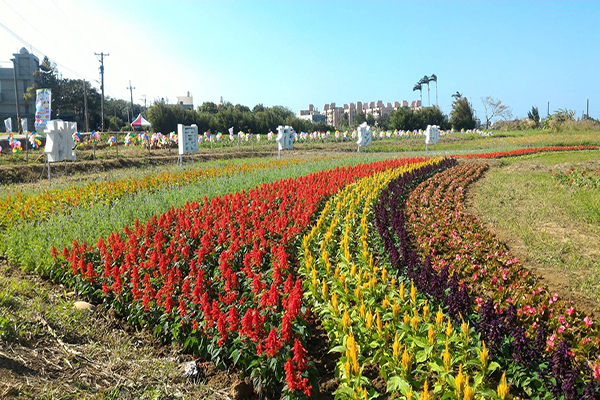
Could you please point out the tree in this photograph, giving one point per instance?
(494, 109)
(419, 87)
(208, 107)
(534, 115)
(462, 115)
(359, 119)
(408, 120)
(433, 78)
(370, 119)
(425, 81)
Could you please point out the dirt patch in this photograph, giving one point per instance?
(317, 347)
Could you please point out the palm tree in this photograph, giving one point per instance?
(433, 78)
(419, 87)
(457, 95)
(425, 80)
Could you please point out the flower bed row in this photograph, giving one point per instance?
(579, 178)
(389, 336)
(524, 152)
(216, 275)
(519, 319)
(18, 207)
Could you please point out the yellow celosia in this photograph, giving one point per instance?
(430, 335)
(503, 387)
(406, 362)
(459, 380)
(410, 393)
(469, 394)
(363, 310)
(369, 322)
(396, 348)
(401, 290)
(425, 393)
(426, 312)
(353, 269)
(346, 320)
(439, 318)
(446, 357)
(414, 322)
(393, 284)
(384, 275)
(406, 318)
(413, 293)
(395, 310)
(325, 290)
(449, 328)
(378, 322)
(334, 303)
(385, 303)
(483, 357)
(465, 332)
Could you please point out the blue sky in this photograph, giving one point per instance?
(297, 52)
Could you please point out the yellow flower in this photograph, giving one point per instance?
(365, 394)
(439, 318)
(406, 362)
(431, 335)
(425, 393)
(483, 357)
(393, 284)
(363, 309)
(384, 275)
(446, 358)
(401, 290)
(406, 318)
(465, 332)
(459, 381)
(413, 293)
(414, 322)
(325, 289)
(334, 303)
(385, 304)
(410, 393)
(449, 328)
(395, 310)
(346, 320)
(353, 269)
(503, 387)
(396, 348)
(469, 394)
(378, 322)
(369, 322)
(426, 312)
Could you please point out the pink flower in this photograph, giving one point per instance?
(588, 321)
(561, 319)
(561, 329)
(570, 311)
(596, 371)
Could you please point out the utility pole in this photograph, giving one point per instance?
(87, 122)
(144, 98)
(587, 109)
(131, 93)
(102, 55)
(548, 109)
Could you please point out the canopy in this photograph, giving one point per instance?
(140, 121)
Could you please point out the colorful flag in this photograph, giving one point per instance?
(8, 125)
(24, 124)
(43, 108)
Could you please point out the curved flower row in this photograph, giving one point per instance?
(18, 207)
(526, 151)
(513, 311)
(578, 178)
(216, 275)
(374, 320)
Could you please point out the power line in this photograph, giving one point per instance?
(23, 18)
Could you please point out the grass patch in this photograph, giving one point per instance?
(554, 226)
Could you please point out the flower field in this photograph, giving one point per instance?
(418, 299)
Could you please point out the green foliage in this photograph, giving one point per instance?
(406, 119)
(534, 115)
(462, 115)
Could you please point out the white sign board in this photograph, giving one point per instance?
(59, 140)
(364, 135)
(285, 137)
(432, 134)
(187, 138)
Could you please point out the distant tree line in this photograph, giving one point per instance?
(219, 118)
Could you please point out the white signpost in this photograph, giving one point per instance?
(432, 135)
(364, 136)
(285, 138)
(59, 141)
(187, 140)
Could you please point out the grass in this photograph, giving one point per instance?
(49, 350)
(555, 227)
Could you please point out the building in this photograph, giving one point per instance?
(312, 114)
(186, 102)
(26, 64)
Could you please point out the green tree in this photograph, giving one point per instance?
(534, 115)
(359, 119)
(370, 119)
(208, 107)
(462, 115)
(494, 109)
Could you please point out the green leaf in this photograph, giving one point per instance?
(338, 349)
(398, 383)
